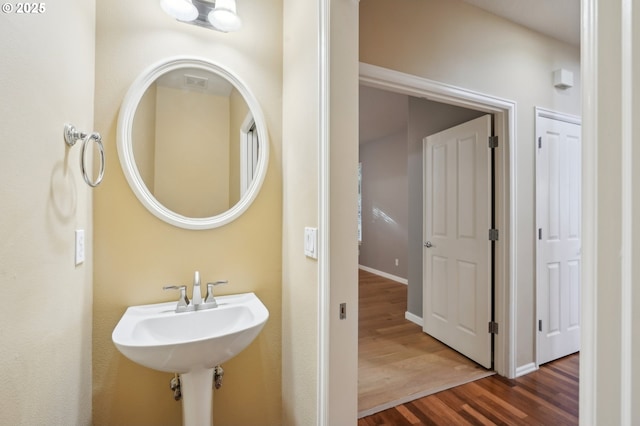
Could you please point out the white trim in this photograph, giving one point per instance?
(324, 178)
(384, 275)
(589, 317)
(414, 318)
(559, 116)
(505, 126)
(526, 369)
(245, 143)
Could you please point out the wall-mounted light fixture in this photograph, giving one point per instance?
(219, 15)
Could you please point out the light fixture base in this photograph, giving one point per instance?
(202, 20)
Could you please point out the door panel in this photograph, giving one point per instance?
(440, 294)
(558, 217)
(466, 207)
(439, 178)
(457, 287)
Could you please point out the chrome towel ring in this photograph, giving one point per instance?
(71, 136)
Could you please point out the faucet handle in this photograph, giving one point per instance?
(183, 302)
(209, 297)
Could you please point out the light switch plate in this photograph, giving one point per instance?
(79, 246)
(311, 242)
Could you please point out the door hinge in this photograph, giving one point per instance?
(493, 235)
(539, 233)
(493, 141)
(539, 325)
(539, 142)
(493, 327)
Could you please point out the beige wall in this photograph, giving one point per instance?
(136, 254)
(452, 42)
(144, 133)
(192, 152)
(300, 131)
(46, 80)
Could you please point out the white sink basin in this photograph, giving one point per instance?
(157, 337)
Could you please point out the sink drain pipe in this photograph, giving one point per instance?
(174, 383)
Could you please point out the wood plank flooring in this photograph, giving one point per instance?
(548, 396)
(397, 362)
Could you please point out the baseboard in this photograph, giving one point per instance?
(526, 369)
(384, 275)
(413, 318)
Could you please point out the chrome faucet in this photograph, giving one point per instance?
(184, 304)
(196, 303)
(209, 300)
(196, 297)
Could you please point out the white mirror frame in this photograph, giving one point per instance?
(125, 143)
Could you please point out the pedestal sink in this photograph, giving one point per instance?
(190, 344)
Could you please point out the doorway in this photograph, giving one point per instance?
(475, 105)
(503, 111)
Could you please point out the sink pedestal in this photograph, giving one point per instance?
(197, 397)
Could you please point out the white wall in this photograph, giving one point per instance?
(46, 80)
(452, 42)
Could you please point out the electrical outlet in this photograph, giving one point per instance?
(397, 262)
(79, 246)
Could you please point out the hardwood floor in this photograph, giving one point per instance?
(548, 396)
(397, 362)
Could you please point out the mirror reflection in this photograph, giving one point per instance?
(195, 142)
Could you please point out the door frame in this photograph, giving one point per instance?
(569, 118)
(504, 112)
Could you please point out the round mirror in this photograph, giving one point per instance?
(192, 142)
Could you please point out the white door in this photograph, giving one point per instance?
(457, 253)
(558, 217)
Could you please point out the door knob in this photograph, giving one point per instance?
(428, 244)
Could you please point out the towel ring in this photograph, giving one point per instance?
(71, 136)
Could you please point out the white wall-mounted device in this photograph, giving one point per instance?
(311, 242)
(562, 79)
(79, 246)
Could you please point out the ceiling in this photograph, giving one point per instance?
(559, 19)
